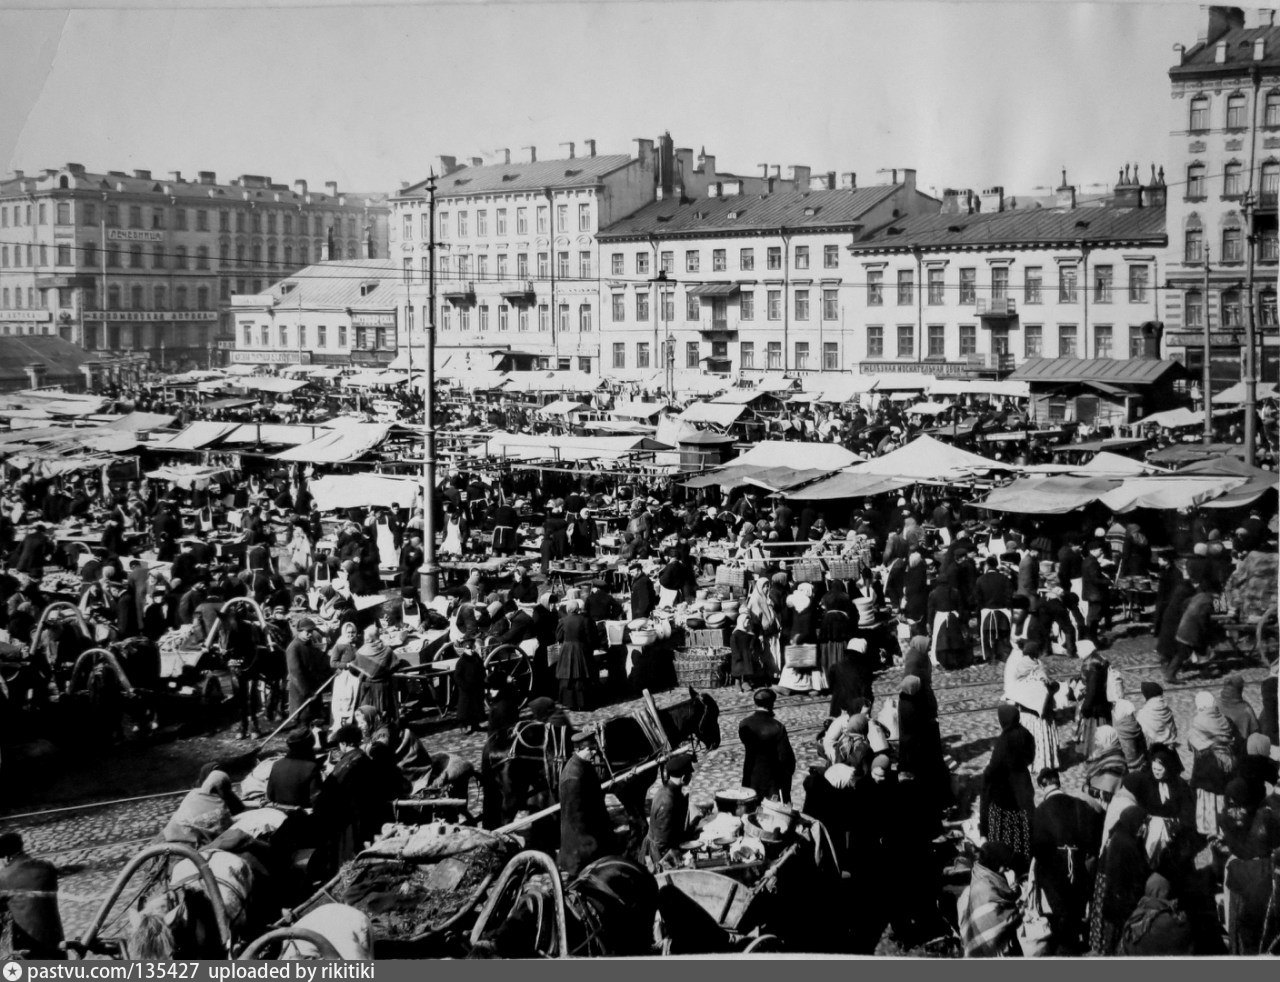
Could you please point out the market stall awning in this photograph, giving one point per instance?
(741, 397)
(562, 407)
(713, 290)
(1257, 481)
(849, 484)
(367, 380)
(637, 410)
(197, 436)
(715, 413)
(340, 491)
(1172, 419)
(926, 409)
(928, 459)
(773, 382)
(237, 403)
(275, 434)
(846, 388)
(340, 446)
(1095, 446)
(800, 456)
(904, 381)
(239, 370)
(1112, 463)
(279, 386)
(960, 387)
(1235, 395)
(138, 422)
(1181, 453)
(1047, 495)
(544, 446)
(189, 476)
(1168, 492)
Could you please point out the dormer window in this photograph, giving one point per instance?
(368, 287)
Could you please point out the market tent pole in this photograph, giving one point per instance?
(429, 568)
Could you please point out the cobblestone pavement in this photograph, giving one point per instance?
(92, 844)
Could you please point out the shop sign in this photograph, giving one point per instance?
(151, 315)
(25, 315)
(134, 235)
(913, 367)
(271, 357)
(373, 320)
(1195, 339)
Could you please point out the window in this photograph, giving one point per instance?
(112, 216)
(1137, 344)
(773, 355)
(1269, 185)
(544, 219)
(562, 318)
(746, 259)
(830, 256)
(691, 354)
(1195, 181)
(1232, 245)
(464, 318)
(1271, 110)
(248, 335)
(1193, 308)
(1067, 276)
(135, 298)
(342, 336)
(999, 282)
(642, 263)
(667, 262)
(482, 223)
(113, 297)
(1102, 281)
(522, 266)
(830, 356)
(522, 221)
(64, 255)
(802, 356)
(906, 341)
(1066, 340)
(802, 305)
(202, 303)
(135, 257)
(830, 305)
(937, 341)
(408, 269)
(668, 306)
(202, 256)
(968, 339)
(44, 254)
(719, 263)
(322, 334)
(500, 221)
(747, 354)
(89, 214)
(257, 221)
(446, 318)
(692, 307)
(265, 335)
(584, 218)
(1270, 249)
(1102, 338)
(802, 257)
(1199, 119)
(1267, 308)
(619, 354)
(615, 264)
(240, 222)
(1236, 112)
(642, 307)
(936, 288)
(906, 286)
(462, 224)
(562, 265)
(642, 354)
(504, 317)
(1139, 279)
(135, 216)
(968, 286)
(775, 305)
(875, 287)
(1232, 312)
(562, 218)
(584, 318)
(584, 265)
(692, 261)
(64, 213)
(1193, 246)
(482, 319)
(773, 258)
(1233, 179)
(618, 307)
(747, 305)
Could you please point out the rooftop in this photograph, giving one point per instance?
(574, 172)
(1032, 227)
(359, 283)
(752, 212)
(1202, 59)
(61, 359)
(1119, 371)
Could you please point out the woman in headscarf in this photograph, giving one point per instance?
(1094, 708)
(1008, 799)
(575, 668)
(1122, 871)
(988, 908)
(745, 657)
(1105, 768)
(915, 589)
(1157, 928)
(1233, 706)
(760, 606)
(376, 664)
(802, 622)
(1209, 739)
(1028, 685)
(944, 616)
(204, 813)
(1156, 718)
(1251, 831)
(1132, 742)
(1162, 793)
(920, 741)
(346, 682)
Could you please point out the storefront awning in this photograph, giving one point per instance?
(713, 290)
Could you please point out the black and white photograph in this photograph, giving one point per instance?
(634, 479)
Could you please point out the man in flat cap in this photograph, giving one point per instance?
(769, 761)
(669, 823)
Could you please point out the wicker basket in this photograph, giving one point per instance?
(711, 637)
(844, 569)
(733, 577)
(808, 571)
(701, 667)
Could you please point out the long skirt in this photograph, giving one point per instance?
(1046, 734)
(1085, 729)
(1208, 805)
(346, 689)
(1010, 827)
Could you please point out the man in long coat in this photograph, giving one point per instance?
(1065, 840)
(769, 761)
(644, 598)
(29, 898)
(586, 832)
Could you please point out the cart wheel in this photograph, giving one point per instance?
(512, 661)
(764, 943)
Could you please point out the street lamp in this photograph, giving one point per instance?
(669, 352)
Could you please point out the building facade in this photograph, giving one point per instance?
(337, 313)
(979, 288)
(742, 281)
(517, 268)
(121, 262)
(1225, 180)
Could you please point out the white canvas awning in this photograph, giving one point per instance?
(927, 459)
(715, 413)
(339, 446)
(334, 492)
(197, 436)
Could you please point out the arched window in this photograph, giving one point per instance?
(135, 298)
(1195, 181)
(287, 222)
(288, 255)
(1237, 104)
(1271, 109)
(63, 182)
(113, 297)
(161, 298)
(1232, 243)
(1233, 179)
(1269, 184)
(1193, 238)
(180, 298)
(1232, 315)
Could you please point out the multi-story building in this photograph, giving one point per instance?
(979, 287)
(332, 313)
(1224, 185)
(740, 281)
(118, 262)
(517, 272)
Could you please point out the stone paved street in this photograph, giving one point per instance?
(91, 845)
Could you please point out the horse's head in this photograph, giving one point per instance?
(706, 721)
(151, 928)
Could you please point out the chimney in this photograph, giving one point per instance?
(1221, 20)
(950, 202)
(666, 164)
(142, 175)
(175, 176)
(1155, 194)
(505, 153)
(1065, 194)
(477, 161)
(1152, 332)
(446, 165)
(708, 162)
(848, 181)
(207, 177)
(908, 178)
(18, 175)
(644, 149)
(1220, 53)
(1266, 17)
(591, 147)
(77, 169)
(731, 187)
(1128, 192)
(683, 170)
(533, 155)
(831, 180)
(713, 190)
(35, 374)
(300, 187)
(332, 188)
(800, 177)
(776, 174)
(991, 200)
(571, 149)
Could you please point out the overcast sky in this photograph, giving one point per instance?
(971, 94)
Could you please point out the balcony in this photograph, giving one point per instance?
(521, 292)
(460, 293)
(996, 307)
(717, 325)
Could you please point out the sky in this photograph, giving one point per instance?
(970, 94)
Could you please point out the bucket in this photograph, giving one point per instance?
(774, 816)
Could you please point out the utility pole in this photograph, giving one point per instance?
(1206, 377)
(429, 570)
(1250, 361)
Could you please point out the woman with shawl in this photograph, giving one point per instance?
(1162, 793)
(575, 668)
(1106, 767)
(205, 813)
(1210, 739)
(1094, 708)
(1251, 831)
(1027, 684)
(988, 908)
(1233, 706)
(745, 654)
(1122, 871)
(802, 627)
(346, 682)
(760, 606)
(1132, 742)
(1156, 718)
(375, 663)
(920, 741)
(1157, 928)
(1008, 799)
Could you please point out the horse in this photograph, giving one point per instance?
(609, 911)
(520, 769)
(173, 924)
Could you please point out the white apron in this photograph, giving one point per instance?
(387, 555)
(346, 688)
